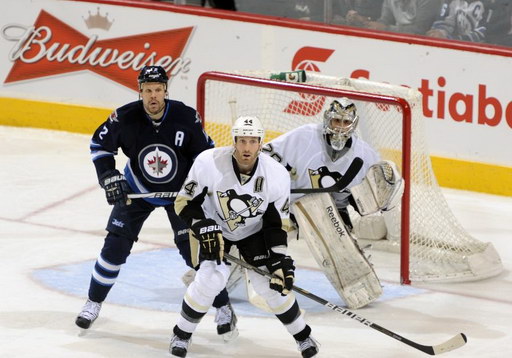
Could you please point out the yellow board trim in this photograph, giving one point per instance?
(451, 173)
(473, 176)
(48, 115)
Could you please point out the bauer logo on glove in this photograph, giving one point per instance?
(211, 243)
(210, 228)
(115, 186)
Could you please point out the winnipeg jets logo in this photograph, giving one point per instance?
(236, 209)
(158, 163)
(323, 177)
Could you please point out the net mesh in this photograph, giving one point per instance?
(440, 248)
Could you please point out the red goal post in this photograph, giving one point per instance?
(221, 97)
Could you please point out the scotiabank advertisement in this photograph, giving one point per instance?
(89, 53)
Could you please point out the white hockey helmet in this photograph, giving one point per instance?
(343, 111)
(247, 126)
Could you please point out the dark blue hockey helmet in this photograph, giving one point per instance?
(153, 74)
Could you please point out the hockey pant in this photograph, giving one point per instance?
(211, 278)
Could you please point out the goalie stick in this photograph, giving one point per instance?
(341, 184)
(453, 343)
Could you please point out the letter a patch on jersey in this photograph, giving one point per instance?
(236, 209)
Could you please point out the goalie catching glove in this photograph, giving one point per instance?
(115, 186)
(211, 243)
(283, 272)
(380, 190)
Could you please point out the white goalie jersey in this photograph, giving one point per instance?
(239, 203)
(302, 152)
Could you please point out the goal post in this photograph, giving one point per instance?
(392, 122)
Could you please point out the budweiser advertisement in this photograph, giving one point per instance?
(89, 53)
(51, 47)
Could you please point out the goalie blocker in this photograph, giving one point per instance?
(335, 250)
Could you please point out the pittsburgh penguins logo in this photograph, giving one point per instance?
(158, 163)
(236, 209)
(323, 177)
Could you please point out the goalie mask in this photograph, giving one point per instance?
(248, 126)
(340, 121)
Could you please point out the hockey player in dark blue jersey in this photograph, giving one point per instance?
(161, 138)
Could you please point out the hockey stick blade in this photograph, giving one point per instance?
(341, 184)
(456, 342)
(155, 195)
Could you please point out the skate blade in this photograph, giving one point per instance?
(82, 332)
(230, 336)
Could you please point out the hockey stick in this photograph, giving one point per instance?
(341, 184)
(453, 343)
(155, 195)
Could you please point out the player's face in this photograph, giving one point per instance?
(153, 95)
(246, 152)
(340, 125)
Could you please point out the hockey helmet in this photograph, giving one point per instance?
(153, 74)
(247, 126)
(340, 121)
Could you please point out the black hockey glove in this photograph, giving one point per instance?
(115, 186)
(283, 270)
(211, 243)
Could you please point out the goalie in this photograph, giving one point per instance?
(326, 152)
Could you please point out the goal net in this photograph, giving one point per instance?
(433, 245)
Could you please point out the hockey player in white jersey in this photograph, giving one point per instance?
(318, 155)
(237, 196)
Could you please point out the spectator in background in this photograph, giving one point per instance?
(498, 21)
(309, 10)
(216, 4)
(504, 39)
(356, 12)
(405, 16)
(474, 21)
(221, 4)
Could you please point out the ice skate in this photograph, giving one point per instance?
(226, 322)
(179, 346)
(308, 347)
(90, 312)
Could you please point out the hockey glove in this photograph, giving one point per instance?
(211, 243)
(283, 272)
(115, 186)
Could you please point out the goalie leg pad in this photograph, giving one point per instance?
(236, 275)
(392, 219)
(335, 250)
